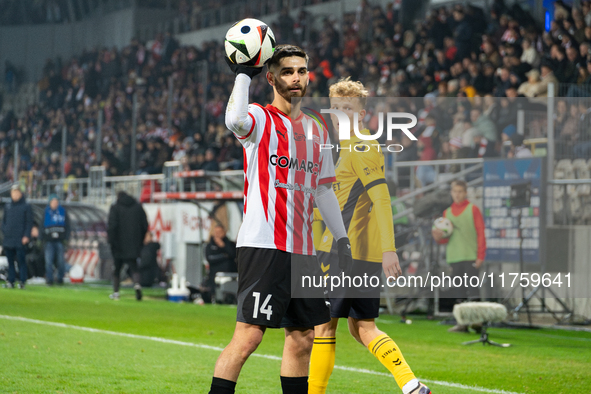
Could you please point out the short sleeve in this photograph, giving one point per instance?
(327, 172)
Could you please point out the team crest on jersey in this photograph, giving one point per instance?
(299, 136)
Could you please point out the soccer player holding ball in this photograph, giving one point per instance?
(276, 230)
(466, 246)
(364, 201)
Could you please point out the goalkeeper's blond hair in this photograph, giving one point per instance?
(347, 88)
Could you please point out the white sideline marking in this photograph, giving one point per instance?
(219, 349)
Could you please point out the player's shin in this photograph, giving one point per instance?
(386, 350)
(321, 364)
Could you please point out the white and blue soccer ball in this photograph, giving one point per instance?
(249, 42)
(444, 224)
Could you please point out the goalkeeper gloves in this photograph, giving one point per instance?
(344, 251)
(240, 69)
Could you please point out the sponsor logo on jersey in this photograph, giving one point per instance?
(295, 164)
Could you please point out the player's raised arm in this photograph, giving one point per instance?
(238, 119)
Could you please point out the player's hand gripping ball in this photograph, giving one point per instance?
(249, 44)
(444, 224)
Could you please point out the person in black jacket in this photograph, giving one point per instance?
(220, 253)
(126, 231)
(55, 231)
(16, 226)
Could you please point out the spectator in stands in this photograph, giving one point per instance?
(17, 222)
(483, 124)
(547, 77)
(518, 149)
(210, 163)
(482, 146)
(529, 54)
(502, 82)
(463, 34)
(55, 231)
(126, 231)
(220, 253)
(533, 86)
(466, 247)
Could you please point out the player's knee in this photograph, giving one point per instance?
(300, 343)
(248, 345)
(354, 331)
(326, 330)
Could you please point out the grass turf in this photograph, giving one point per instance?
(46, 359)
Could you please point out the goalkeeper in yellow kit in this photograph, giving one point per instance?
(364, 201)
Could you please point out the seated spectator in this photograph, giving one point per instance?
(210, 163)
(484, 126)
(482, 147)
(547, 77)
(583, 87)
(529, 54)
(518, 150)
(533, 86)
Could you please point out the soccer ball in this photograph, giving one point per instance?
(249, 42)
(444, 224)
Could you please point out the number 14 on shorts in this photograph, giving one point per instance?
(266, 309)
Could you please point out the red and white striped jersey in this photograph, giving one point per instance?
(282, 169)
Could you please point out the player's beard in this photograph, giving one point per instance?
(285, 91)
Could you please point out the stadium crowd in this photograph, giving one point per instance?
(453, 52)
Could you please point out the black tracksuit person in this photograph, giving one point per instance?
(16, 227)
(127, 229)
(220, 252)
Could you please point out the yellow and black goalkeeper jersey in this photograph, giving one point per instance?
(364, 201)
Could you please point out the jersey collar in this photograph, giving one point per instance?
(276, 110)
(462, 204)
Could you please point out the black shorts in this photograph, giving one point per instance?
(264, 291)
(359, 303)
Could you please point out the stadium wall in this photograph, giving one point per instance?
(28, 47)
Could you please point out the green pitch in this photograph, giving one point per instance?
(185, 340)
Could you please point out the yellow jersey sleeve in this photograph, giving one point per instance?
(369, 167)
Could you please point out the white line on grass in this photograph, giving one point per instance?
(219, 349)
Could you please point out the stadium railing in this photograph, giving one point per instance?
(5, 187)
(439, 165)
(101, 189)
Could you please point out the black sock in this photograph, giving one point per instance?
(222, 386)
(297, 385)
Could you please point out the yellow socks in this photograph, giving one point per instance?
(386, 350)
(321, 364)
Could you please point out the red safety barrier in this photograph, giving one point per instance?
(198, 196)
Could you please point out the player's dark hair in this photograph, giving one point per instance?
(460, 183)
(285, 50)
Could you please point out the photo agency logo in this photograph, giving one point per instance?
(392, 122)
